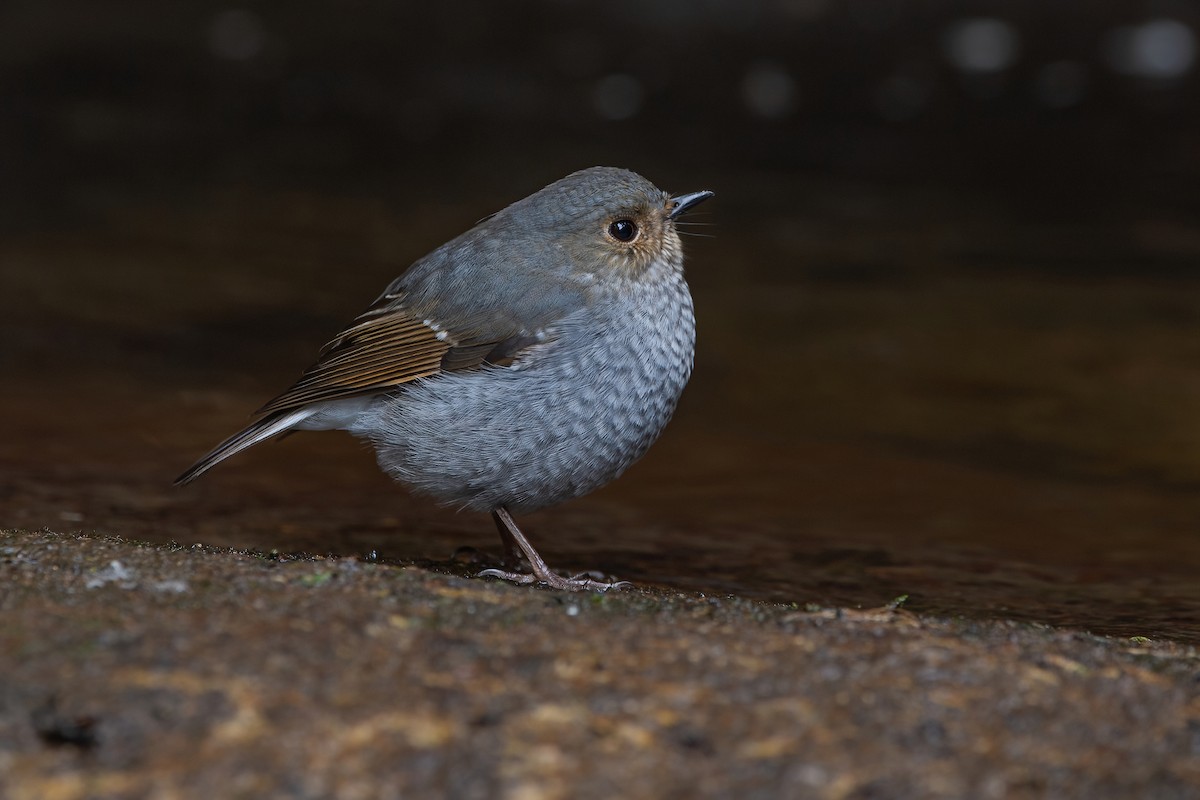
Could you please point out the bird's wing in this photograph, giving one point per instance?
(391, 345)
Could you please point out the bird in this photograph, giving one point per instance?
(528, 361)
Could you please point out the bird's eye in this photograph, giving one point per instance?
(623, 230)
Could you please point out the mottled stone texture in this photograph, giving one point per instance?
(131, 671)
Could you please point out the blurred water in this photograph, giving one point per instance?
(897, 392)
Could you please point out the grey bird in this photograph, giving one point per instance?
(528, 361)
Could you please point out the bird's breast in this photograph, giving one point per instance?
(564, 422)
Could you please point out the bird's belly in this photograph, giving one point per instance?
(528, 438)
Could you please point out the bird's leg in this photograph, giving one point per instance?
(512, 550)
(516, 545)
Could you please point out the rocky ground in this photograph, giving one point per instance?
(134, 670)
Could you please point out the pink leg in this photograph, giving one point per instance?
(515, 545)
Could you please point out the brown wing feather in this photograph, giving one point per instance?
(466, 357)
(389, 346)
(385, 348)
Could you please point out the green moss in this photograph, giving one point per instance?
(316, 579)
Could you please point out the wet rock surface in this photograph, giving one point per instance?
(135, 670)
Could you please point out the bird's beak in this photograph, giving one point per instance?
(685, 201)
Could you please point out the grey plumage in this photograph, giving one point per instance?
(555, 425)
(528, 361)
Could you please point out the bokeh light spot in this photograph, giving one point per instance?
(983, 44)
(1161, 48)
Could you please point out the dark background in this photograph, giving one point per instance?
(1072, 110)
(948, 317)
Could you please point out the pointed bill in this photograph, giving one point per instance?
(684, 202)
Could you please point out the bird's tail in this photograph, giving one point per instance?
(265, 428)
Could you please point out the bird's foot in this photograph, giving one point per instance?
(584, 581)
(518, 547)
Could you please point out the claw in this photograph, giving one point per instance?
(512, 577)
(517, 545)
(577, 583)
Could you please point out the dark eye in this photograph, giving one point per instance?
(623, 230)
